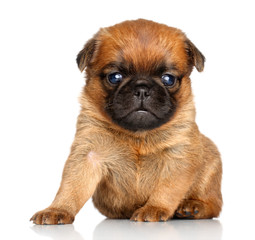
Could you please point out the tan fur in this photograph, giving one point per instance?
(170, 171)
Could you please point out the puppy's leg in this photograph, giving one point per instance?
(204, 199)
(81, 175)
(164, 199)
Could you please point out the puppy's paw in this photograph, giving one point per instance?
(190, 209)
(150, 214)
(52, 216)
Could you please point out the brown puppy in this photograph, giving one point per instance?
(137, 150)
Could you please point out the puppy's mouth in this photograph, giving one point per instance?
(141, 116)
(142, 112)
(140, 119)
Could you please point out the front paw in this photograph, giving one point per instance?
(151, 214)
(52, 216)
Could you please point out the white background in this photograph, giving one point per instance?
(39, 89)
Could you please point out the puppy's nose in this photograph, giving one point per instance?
(142, 92)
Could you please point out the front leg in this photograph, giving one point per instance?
(81, 175)
(165, 197)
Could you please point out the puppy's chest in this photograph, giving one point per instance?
(137, 174)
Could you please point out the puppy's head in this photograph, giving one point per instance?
(138, 73)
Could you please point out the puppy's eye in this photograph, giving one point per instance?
(115, 78)
(168, 80)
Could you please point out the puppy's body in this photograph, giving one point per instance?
(137, 150)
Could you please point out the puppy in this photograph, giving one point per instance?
(137, 150)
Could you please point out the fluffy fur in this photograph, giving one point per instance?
(171, 170)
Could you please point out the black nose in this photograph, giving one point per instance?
(142, 89)
(142, 92)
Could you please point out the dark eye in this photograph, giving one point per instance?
(168, 80)
(115, 78)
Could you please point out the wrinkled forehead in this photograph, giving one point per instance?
(143, 49)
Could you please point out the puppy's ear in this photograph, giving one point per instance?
(86, 54)
(197, 59)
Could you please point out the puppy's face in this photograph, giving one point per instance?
(137, 72)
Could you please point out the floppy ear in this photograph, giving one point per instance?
(85, 55)
(197, 59)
